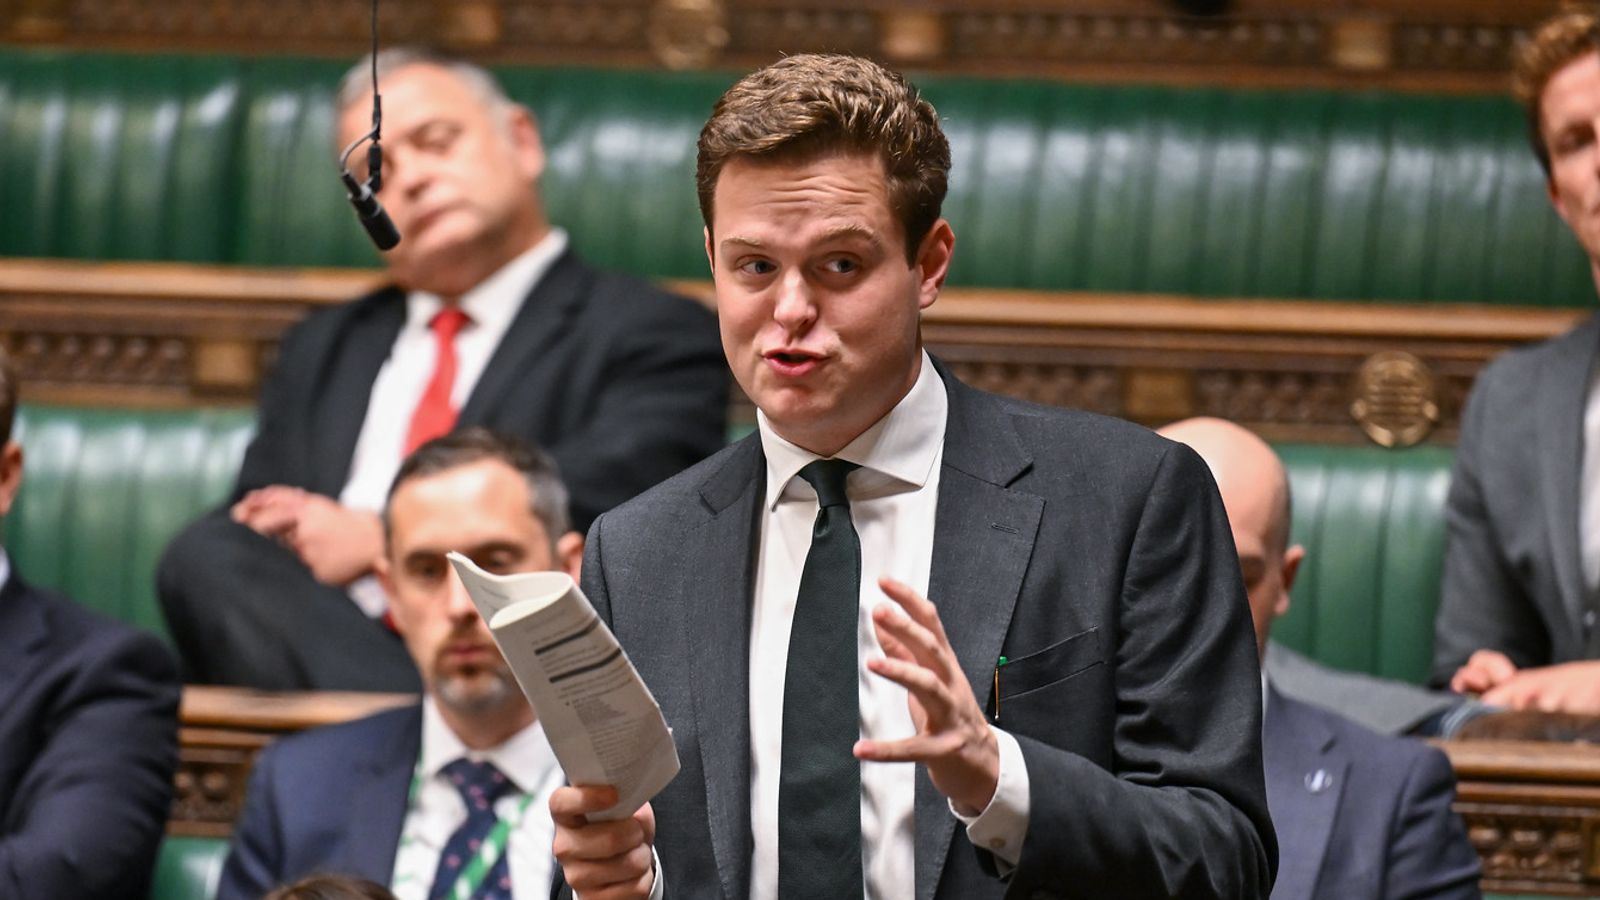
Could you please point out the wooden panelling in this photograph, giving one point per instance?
(1452, 45)
(223, 729)
(1532, 812)
(169, 335)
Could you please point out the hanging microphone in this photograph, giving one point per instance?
(377, 223)
(363, 196)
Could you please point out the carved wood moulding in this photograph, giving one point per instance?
(1459, 45)
(143, 334)
(224, 729)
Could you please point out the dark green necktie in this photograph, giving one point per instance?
(819, 785)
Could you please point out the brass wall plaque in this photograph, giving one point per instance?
(1396, 402)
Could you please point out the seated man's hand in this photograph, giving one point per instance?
(338, 544)
(1568, 687)
(1485, 670)
(270, 511)
(953, 738)
(602, 860)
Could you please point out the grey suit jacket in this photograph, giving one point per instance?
(1092, 554)
(1384, 705)
(1513, 577)
(1359, 814)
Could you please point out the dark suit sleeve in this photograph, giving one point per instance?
(1185, 814)
(1430, 855)
(1482, 604)
(94, 803)
(660, 407)
(255, 857)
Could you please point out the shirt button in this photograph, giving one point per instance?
(997, 843)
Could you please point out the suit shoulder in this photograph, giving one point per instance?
(619, 292)
(86, 637)
(1370, 749)
(1513, 369)
(330, 748)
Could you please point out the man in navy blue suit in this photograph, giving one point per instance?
(1357, 814)
(88, 733)
(409, 797)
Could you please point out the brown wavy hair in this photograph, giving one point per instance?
(813, 104)
(1566, 36)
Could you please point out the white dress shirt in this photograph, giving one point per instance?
(893, 497)
(380, 447)
(1589, 489)
(491, 306)
(438, 810)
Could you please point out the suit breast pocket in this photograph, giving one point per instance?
(1054, 664)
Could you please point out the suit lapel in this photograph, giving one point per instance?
(542, 316)
(23, 635)
(1562, 392)
(719, 587)
(983, 540)
(352, 368)
(1306, 774)
(380, 788)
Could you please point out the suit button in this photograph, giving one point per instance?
(1588, 619)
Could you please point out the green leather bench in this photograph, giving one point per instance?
(1210, 192)
(188, 868)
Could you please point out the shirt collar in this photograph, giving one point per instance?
(900, 449)
(5, 567)
(493, 303)
(526, 758)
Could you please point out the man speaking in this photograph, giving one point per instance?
(905, 605)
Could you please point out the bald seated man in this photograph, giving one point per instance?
(1357, 814)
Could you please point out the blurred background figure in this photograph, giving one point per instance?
(88, 732)
(1357, 814)
(332, 887)
(491, 320)
(412, 797)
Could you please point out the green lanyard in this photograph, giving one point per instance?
(489, 852)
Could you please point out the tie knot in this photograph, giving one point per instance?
(448, 322)
(480, 784)
(826, 477)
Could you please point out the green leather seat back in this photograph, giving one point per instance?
(188, 868)
(104, 491)
(1372, 523)
(1215, 192)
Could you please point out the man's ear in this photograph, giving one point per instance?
(933, 262)
(524, 131)
(1292, 558)
(10, 475)
(569, 554)
(711, 257)
(385, 575)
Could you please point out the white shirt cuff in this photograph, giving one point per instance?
(658, 888)
(1002, 825)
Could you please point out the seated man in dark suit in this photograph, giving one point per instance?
(1519, 606)
(913, 639)
(1358, 814)
(88, 733)
(410, 797)
(491, 321)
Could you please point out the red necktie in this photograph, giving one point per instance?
(435, 415)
